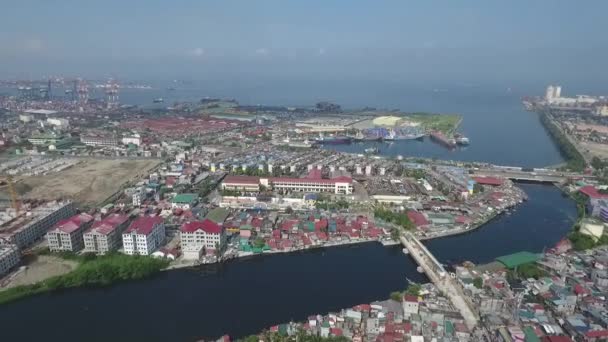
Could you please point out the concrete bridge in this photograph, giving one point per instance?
(535, 175)
(437, 274)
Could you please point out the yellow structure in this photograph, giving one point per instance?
(387, 121)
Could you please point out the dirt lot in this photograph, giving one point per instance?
(89, 182)
(599, 150)
(41, 268)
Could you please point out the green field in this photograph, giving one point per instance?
(446, 123)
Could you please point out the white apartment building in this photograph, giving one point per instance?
(338, 185)
(105, 236)
(144, 236)
(28, 228)
(133, 139)
(67, 234)
(201, 236)
(9, 257)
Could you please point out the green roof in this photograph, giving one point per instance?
(185, 198)
(449, 328)
(218, 215)
(519, 258)
(530, 335)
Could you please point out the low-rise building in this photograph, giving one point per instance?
(184, 201)
(144, 236)
(105, 236)
(26, 229)
(201, 236)
(67, 234)
(9, 257)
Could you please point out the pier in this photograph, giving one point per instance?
(437, 274)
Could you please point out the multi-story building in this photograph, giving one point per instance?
(99, 140)
(67, 234)
(337, 185)
(201, 236)
(132, 139)
(26, 229)
(105, 236)
(9, 257)
(145, 235)
(241, 183)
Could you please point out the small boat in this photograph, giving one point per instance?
(420, 269)
(158, 100)
(405, 251)
(371, 150)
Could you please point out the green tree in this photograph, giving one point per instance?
(478, 282)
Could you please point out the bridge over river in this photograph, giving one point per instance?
(437, 274)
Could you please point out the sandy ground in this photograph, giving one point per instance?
(599, 150)
(41, 268)
(90, 182)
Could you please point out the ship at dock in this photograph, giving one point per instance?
(441, 139)
(333, 140)
(403, 135)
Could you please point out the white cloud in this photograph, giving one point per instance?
(262, 52)
(33, 44)
(198, 52)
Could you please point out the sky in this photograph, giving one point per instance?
(414, 41)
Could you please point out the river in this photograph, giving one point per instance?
(243, 297)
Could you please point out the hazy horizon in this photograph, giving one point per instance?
(431, 42)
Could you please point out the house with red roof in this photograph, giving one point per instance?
(337, 185)
(198, 237)
(410, 305)
(105, 236)
(241, 183)
(67, 234)
(145, 235)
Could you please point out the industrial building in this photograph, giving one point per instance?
(144, 236)
(67, 234)
(24, 230)
(105, 236)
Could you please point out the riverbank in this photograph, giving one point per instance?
(575, 159)
(91, 271)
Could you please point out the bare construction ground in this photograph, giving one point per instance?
(595, 149)
(39, 269)
(89, 182)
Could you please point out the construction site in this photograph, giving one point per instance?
(88, 182)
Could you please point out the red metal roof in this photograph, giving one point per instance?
(410, 298)
(108, 224)
(206, 225)
(144, 225)
(597, 333)
(556, 339)
(341, 179)
(73, 223)
(242, 180)
(417, 218)
(489, 180)
(592, 192)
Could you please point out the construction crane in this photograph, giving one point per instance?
(15, 203)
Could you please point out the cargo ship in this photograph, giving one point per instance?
(443, 140)
(362, 137)
(333, 140)
(392, 135)
(158, 100)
